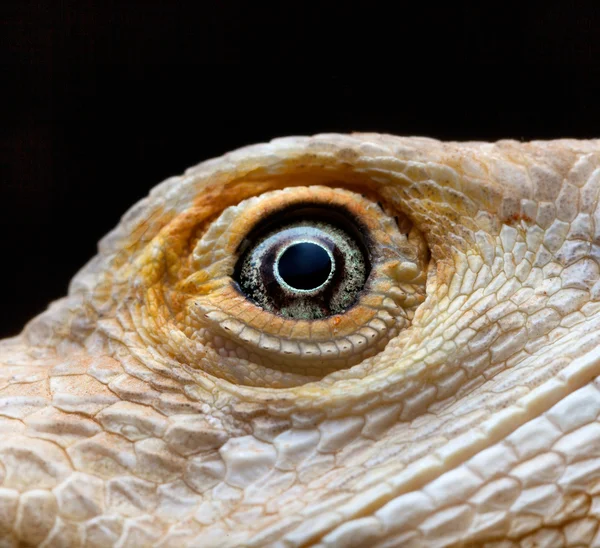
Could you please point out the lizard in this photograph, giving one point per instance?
(435, 383)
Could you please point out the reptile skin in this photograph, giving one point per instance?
(153, 406)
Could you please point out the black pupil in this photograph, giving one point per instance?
(304, 265)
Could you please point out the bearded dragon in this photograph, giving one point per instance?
(435, 383)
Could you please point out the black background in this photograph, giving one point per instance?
(104, 101)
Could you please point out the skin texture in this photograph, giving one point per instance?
(457, 404)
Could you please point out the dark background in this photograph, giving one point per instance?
(102, 102)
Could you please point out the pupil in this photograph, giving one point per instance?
(304, 265)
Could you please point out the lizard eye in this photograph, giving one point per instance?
(289, 286)
(307, 263)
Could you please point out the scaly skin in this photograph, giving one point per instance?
(152, 407)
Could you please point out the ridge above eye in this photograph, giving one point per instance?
(307, 263)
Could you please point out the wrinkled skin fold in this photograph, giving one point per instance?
(457, 403)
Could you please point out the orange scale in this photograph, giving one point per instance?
(373, 300)
(372, 223)
(193, 282)
(320, 330)
(275, 325)
(234, 306)
(285, 328)
(342, 325)
(230, 242)
(301, 330)
(360, 315)
(261, 319)
(248, 315)
(221, 296)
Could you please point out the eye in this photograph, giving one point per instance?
(306, 263)
(292, 285)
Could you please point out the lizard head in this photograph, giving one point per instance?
(334, 340)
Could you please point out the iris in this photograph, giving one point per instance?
(307, 263)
